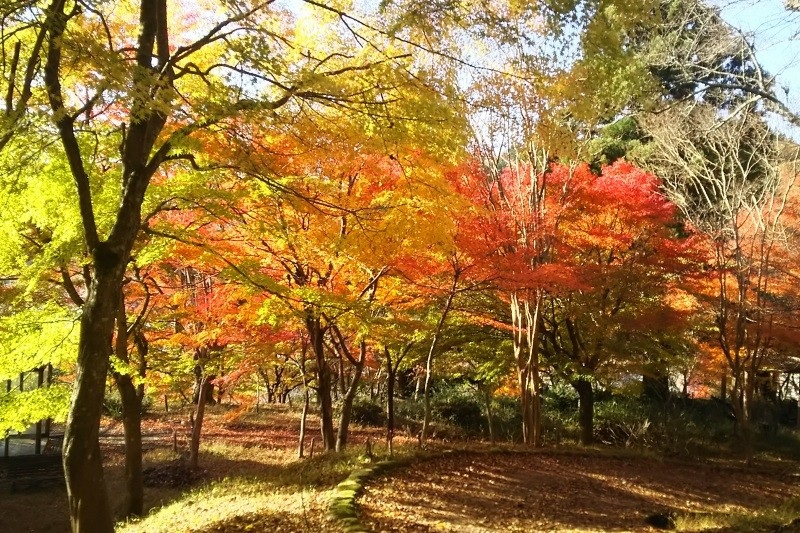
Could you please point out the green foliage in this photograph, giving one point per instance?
(18, 410)
(679, 426)
(112, 404)
(460, 406)
(408, 413)
(622, 421)
(507, 418)
(35, 336)
(622, 139)
(560, 397)
(368, 413)
(39, 225)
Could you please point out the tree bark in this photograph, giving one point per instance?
(131, 397)
(83, 466)
(797, 416)
(487, 396)
(429, 362)
(315, 333)
(132, 422)
(347, 402)
(303, 418)
(585, 409)
(526, 354)
(723, 386)
(197, 427)
(391, 371)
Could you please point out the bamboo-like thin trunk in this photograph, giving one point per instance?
(194, 446)
(303, 417)
(429, 362)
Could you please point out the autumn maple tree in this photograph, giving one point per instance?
(265, 190)
(583, 261)
(151, 84)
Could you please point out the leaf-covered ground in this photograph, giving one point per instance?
(250, 477)
(567, 492)
(251, 480)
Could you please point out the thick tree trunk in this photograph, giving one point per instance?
(83, 467)
(526, 354)
(315, 333)
(132, 422)
(655, 383)
(86, 493)
(585, 410)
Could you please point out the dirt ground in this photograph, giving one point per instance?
(562, 492)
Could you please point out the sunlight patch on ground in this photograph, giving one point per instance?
(228, 501)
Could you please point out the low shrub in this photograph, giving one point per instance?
(507, 418)
(112, 404)
(368, 413)
(461, 407)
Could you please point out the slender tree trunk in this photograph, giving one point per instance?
(536, 406)
(723, 386)
(585, 410)
(746, 424)
(429, 362)
(526, 404)
(132, 397)
(197, 428)
(377, 381)
(738, 402)
(303, 418)
(487, 396)
(341, 381)
(797, 391)
(390, 377)
(532, 322)
(526, 355)
(417, 386)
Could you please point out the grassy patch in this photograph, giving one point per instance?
(738, 519)
(230, 504)
(250, 489)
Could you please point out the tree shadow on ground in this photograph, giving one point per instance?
(535, 492)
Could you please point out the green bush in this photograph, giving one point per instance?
(461, 407)
(507, 418)
(368, 413)
(112, 404)
(620, 422)
(561, 398)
